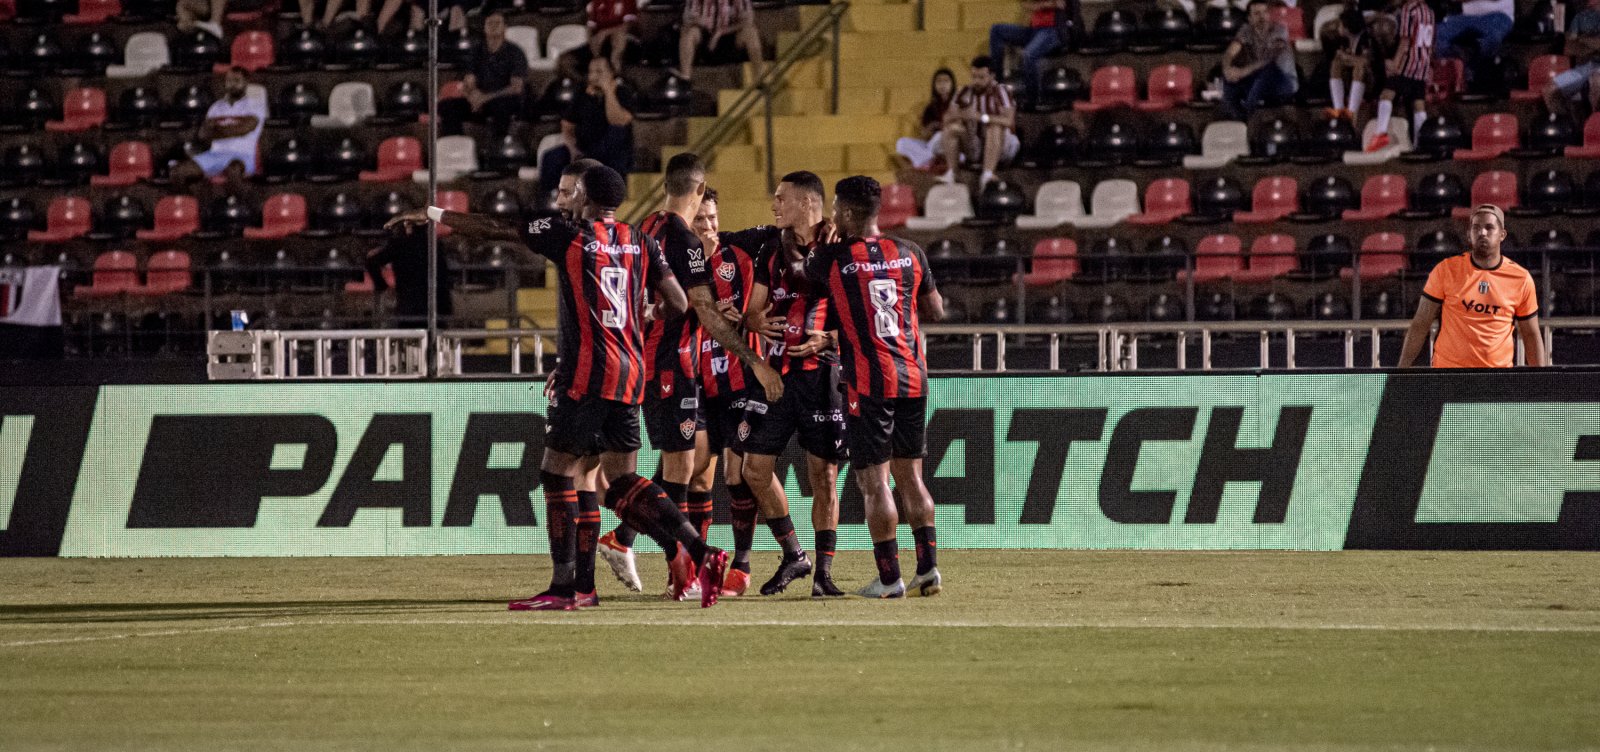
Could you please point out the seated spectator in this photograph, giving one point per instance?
(1407, 72)
(1583, 79)
(980, 125)
(1258, 66)
(233, 126)
(611, 21)
(492, 89)
(1487, 20)
(1050, 26)
(1351, 57)
(206, 15)
(920, 150)
(709, 21)
(597, 125)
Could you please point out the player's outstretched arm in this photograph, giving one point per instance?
(474, 226)
(1417, 334)
(705, 306)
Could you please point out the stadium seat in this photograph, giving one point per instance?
(339, 215)
(1591, 141)
(1216, 257)
(296, 104)
(945, 205)
(23, 164)
(67, 218)
(115, 273)
(458, 158)
(16, 218)
(145, 53)
(1271, 141)
(94, 12)
(1271, 256)
(1165, 29)
(302, 49)
(120, 218)
(1325, 199)
(349, 104)
(196, 51)
(1167, 87)
(398, 157)
(1222, 142)
(1112, 201)
(1326, 254)
(1381, 196)
(175, 217)
(1106, 259)
(1492, 135)
(1216, 200)
(899, 204)
(188, 106)
(1166, 144)
(166, 273)
(1549, 134)
(1498, 187)
(358, 50)
(1435, 196)
(95, 53)
(1112, 141)
(1547, 192)
(282, 215)
(553, 140)
(1399, 143)
(1293, 18)
(343, 160)
(1272, 199)
(251, 50)
(81, 109)
(526, 38)
(130, 162)
(1218, 27)
(561, 40)
(1541, 71)
(1383, 254)
(1111, 86)
(1326, 13)
(1113, 31)
(1058, 202)
(1055, 260)
(1165, 200)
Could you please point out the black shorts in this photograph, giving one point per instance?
(811, 406)
(1406, 90)
(885, 428)
(671, 422)
(722, 413)
(589, 426)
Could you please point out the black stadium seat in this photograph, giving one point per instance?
(74, 164)
(302, 49)
(136, 107)
(1167, 143)
(17, 217)
(1325, 199)
(1271, 142)
(1550, 191)
(1113, 31)
(24, 163)
(1112, 141)
(295, 104)
(1435, 196)
(1216, 199)
(188, 106)
(288, 159)
(341, 214)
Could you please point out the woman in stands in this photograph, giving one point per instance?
(943, 89)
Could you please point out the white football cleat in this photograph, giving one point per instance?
(620, 559)
(876, 589)
(925, 584)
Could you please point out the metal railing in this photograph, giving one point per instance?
(763, 91)
(317, 354)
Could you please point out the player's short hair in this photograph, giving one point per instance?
(577, 168)
(860, 194)
(710, 195)
(983, 61)
(684, 172)
(804, 180)
(605, 187)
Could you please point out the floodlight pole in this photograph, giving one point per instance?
(432, 348)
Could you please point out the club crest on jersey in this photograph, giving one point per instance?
(687, 429)
(538, 225)
(666, 389)
(726, 271)
(744, 430)
(1483, 288)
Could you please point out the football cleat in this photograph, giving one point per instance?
(823, 587)
(681, 570)
(586, 600)
(876, 589)
(925, 584)
(1378, 143)
(543, 602)
(735, 583)
(712, 569)
(620, 559)
(788, 571)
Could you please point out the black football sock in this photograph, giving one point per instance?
(927, 549)
(742, 508)
(679, 494)
(783, 531)
(588, 539)
(827, 541)
(561, 518)
(648, 509)
(625, 535)
(887, 555)
(700, 512)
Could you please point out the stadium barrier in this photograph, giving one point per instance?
(1308, 461)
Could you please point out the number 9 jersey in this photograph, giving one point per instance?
(605, 267)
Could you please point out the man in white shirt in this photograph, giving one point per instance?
(1490, 20)
(233, 126)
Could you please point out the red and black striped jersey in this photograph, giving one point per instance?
(1416, 24)
(672, 346)
(732, 276)
(781, 268)
(873, 285)
(605, 267)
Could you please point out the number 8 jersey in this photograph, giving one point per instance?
(873, 285)
(605, 267)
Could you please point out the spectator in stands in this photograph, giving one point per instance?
(407, 251)
(1258, 66)
(331, 9)
(1583, 79)
(920, 150)
(709, 21)
(1050, 26)
(980, 125)
(597, 125)
(1487, 20)
(492, 89)
(611, 21)
(1350, 58)
(1407, 72)
(202, 14)
(233, 126)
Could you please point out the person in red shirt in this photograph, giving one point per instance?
(1049, 22)
(611, 21)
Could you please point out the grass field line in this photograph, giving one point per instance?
(132, 635)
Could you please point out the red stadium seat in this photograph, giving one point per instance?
(94, 12)
(1216, 257)
(1111, 86)
(67, 218)
(1447, 78)
(1271, 256)
(252, 51)
(1492, 135)
(1055, 260)
(281, 216)
(1591, 140)
(1497, 187)
(176, 217)
(1383, 254)
(130, 163)
(1164, 200)
(365, 284)
(1272, 199)
(1381, 196)
(115, 272)
(1168, 86)
(1541, 71)
(899, 204)
(81, 109)
(1294, 18)
(398, 156)
(166, 273)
